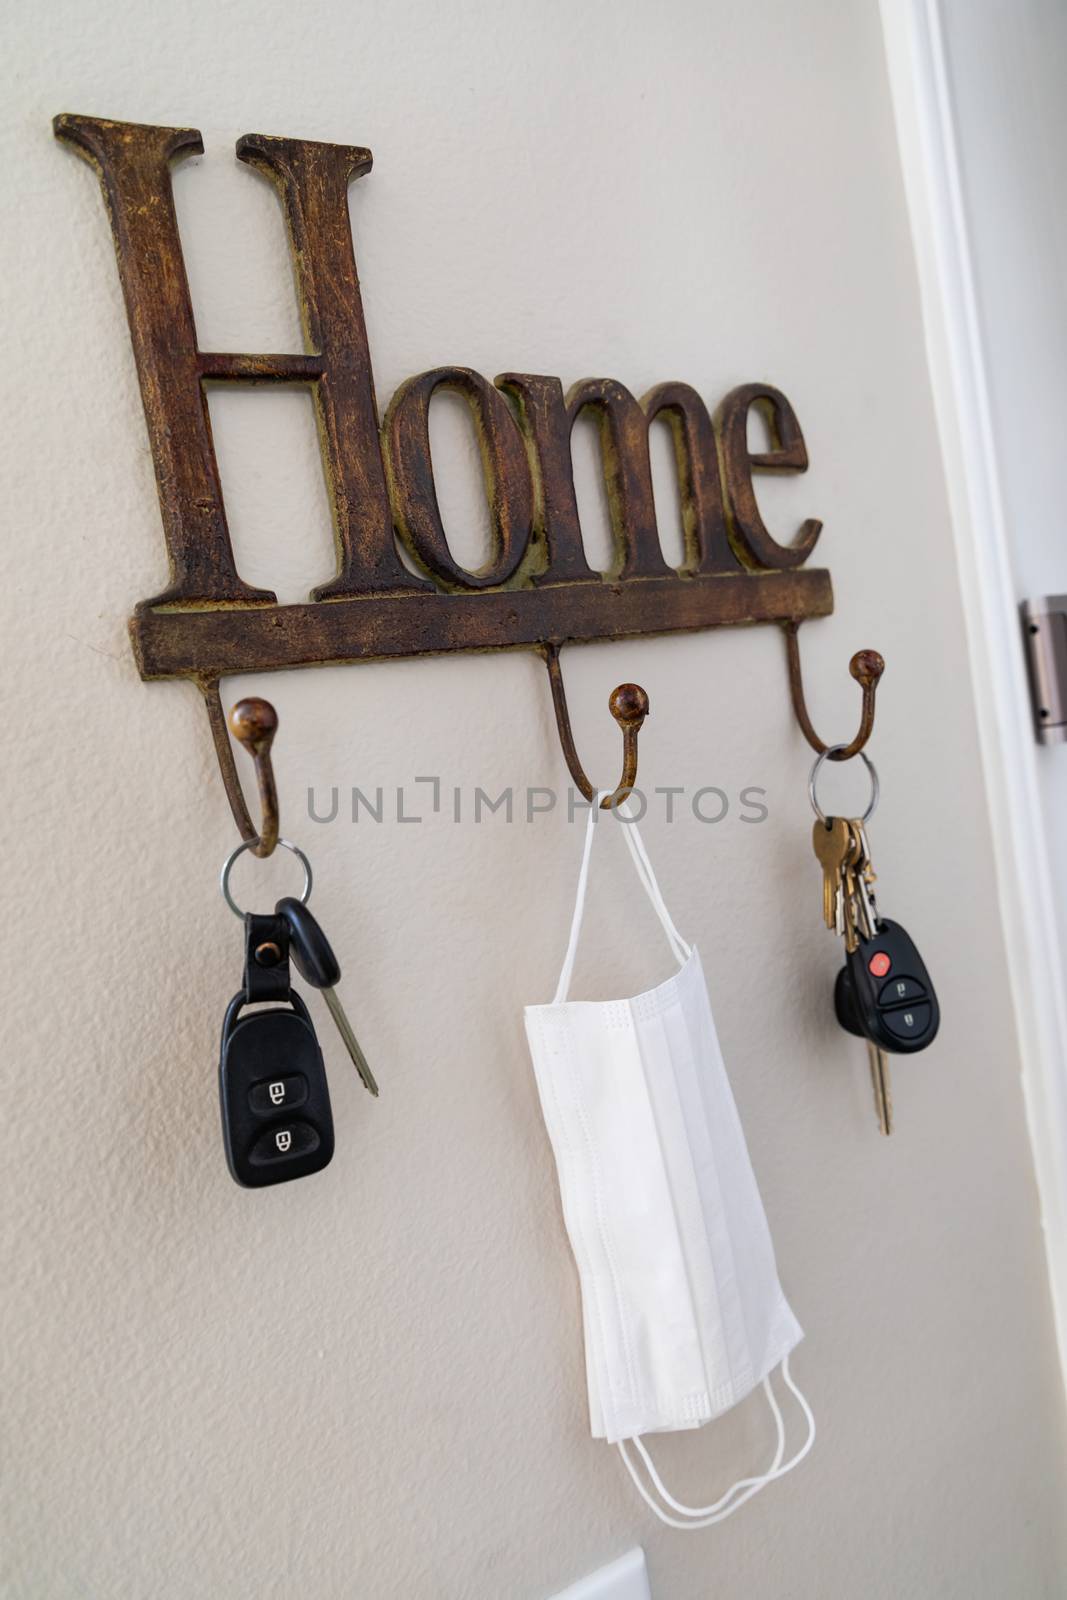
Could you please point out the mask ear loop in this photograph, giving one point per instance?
(751, 1484)
(679, 948)
(645, 876)
(567, 970)
(710, 1515)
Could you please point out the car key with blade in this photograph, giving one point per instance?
(883, 994)
(848, 908)
(315, 961)
(861, 875)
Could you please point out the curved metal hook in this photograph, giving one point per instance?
(253, 723)
(628, 704)
(866, 667)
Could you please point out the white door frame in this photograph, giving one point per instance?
(929, 140)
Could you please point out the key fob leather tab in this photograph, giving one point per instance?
(266, 957)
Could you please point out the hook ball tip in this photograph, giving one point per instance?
(628, 704)
(866, 667)
(254, 722)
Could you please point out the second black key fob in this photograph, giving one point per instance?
(884, 993)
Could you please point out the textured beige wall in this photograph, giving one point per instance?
(370, 1383)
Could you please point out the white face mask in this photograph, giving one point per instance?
(682, 1309)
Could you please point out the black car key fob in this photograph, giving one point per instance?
(275, 1101)
(276, 1117)
(883, 992)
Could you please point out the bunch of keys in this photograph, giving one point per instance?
(275, 1101)
(883, 993)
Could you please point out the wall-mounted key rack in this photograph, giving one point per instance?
(537, 589)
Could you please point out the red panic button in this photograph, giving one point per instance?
(879, 964)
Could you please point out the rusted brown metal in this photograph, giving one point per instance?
(866, 667)
(209, 688)
(218, 642)
(789, 454)
(537, 585)
(253, 723)
(628, 704)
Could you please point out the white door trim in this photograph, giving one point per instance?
(930, 155)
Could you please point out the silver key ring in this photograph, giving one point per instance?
(246, 844)
(872, 773)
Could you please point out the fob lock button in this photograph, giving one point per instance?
(278, 1094)
(280, 1144)
(909, 1022)
(898, 991)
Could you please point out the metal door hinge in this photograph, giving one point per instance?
(1045, 633)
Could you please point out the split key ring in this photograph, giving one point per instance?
(246, 844)
(872, 773)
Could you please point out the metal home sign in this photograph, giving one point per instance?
(537, 587)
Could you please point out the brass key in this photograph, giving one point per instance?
(865, 876)
(832, 842)
(850, 923)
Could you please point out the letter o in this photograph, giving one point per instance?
(409, 471)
